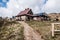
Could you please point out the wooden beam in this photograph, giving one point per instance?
(52, 30)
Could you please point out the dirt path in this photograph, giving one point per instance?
(29, 33)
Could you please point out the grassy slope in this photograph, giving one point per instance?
(44, 28)
(8, 28)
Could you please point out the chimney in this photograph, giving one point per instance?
(26, 8)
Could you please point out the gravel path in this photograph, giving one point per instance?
(29, 33)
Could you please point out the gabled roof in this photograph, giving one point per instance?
(24, 12)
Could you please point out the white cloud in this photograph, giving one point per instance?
(10, 10)
(35, 5)
(5, 12)
(15, 6)
(52, 6)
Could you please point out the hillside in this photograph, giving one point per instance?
(53, 16)
(44, 29)
(11, 31)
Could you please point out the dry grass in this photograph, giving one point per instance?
(44, 28)
(7, 31)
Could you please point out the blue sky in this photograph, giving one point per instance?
(13, 7)
(3, 3)
(8, 7)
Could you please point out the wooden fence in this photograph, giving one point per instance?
(53, 30)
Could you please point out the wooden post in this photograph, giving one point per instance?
(52, 29)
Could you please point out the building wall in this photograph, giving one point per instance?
(34, 18)
(17, 18)
(37, 18)
(23, 18)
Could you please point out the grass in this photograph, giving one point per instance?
(7, 31)
(44, 28)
